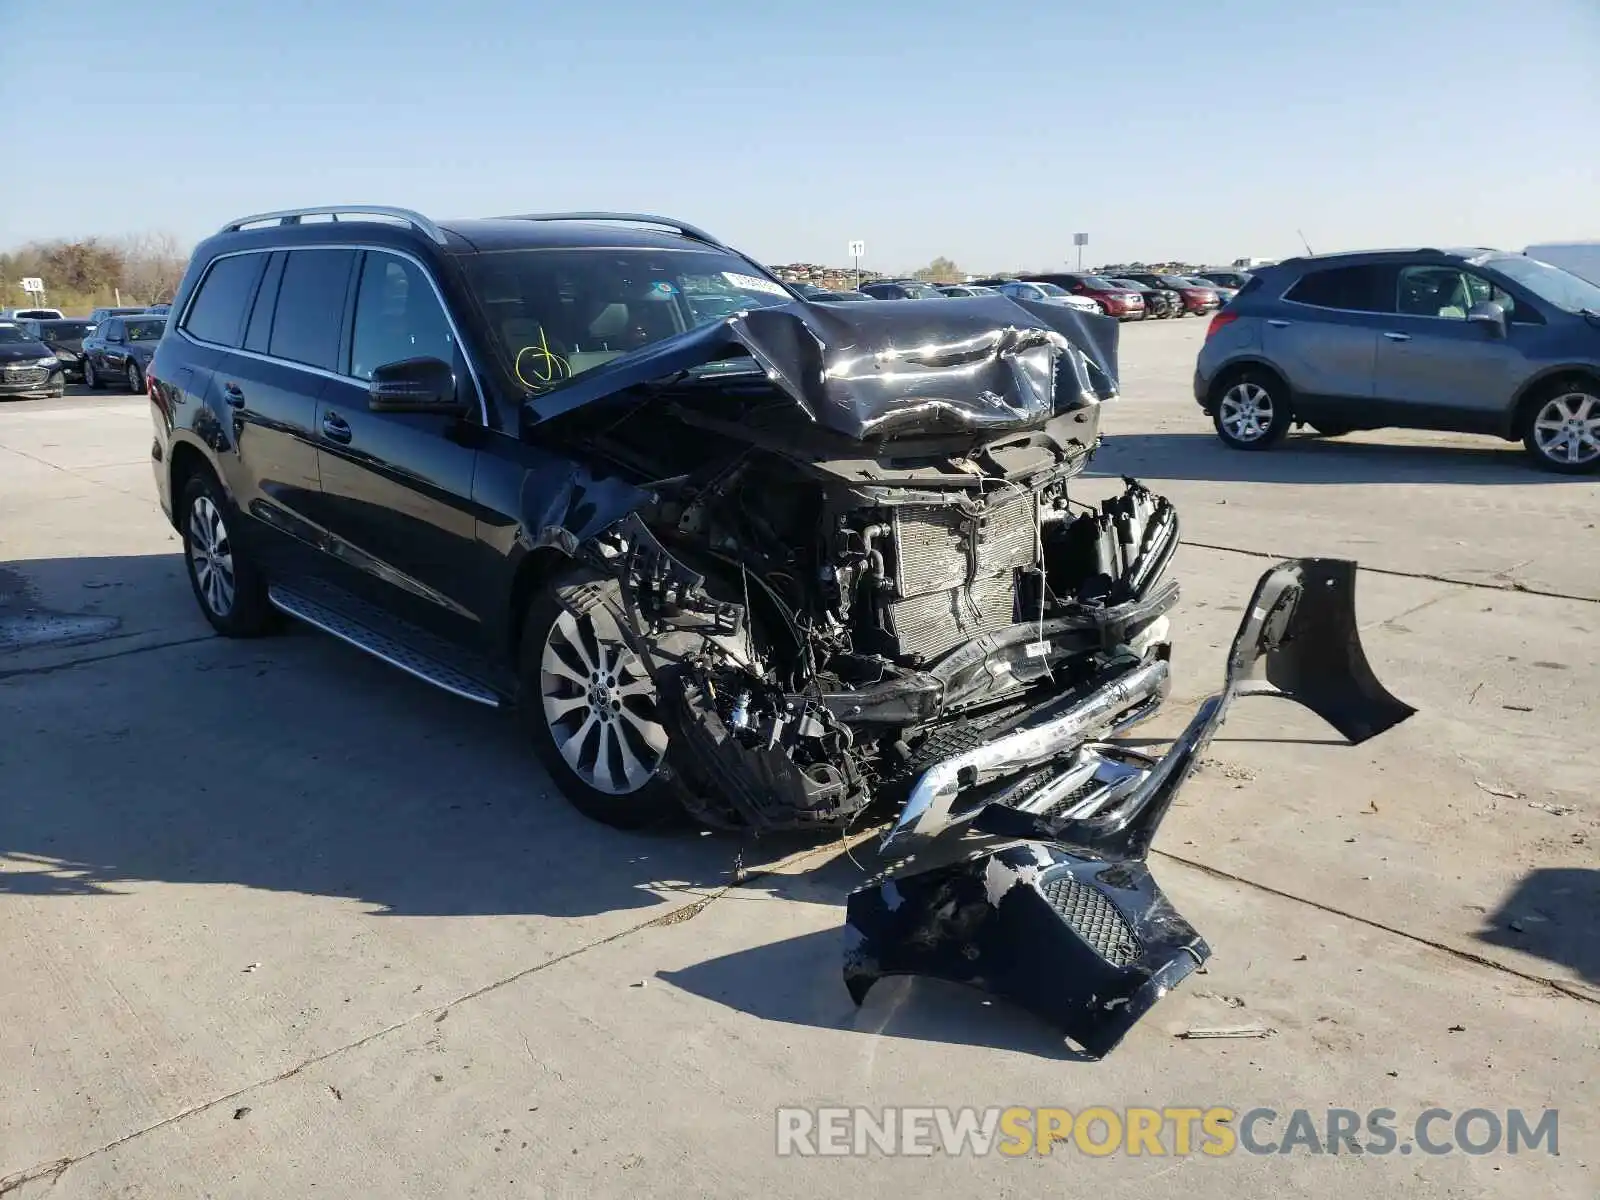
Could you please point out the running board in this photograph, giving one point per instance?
(395, 645)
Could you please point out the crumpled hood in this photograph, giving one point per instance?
(882, 370)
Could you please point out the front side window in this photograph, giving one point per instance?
(305, 327)
(556, 312)
(217, 312)
(398, 316)
(1354, 289)
(112, 330)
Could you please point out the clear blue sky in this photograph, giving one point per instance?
(987, 132)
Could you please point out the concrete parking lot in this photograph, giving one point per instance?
(283, 921)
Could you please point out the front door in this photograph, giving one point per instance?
(397, 487)
(1436, 369)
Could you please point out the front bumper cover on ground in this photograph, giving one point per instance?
(1054, 908)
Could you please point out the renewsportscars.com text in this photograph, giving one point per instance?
(1216, 1131)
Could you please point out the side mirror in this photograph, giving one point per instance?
(414, 385)
(1490, 316)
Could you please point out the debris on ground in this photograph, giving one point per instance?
(1458, 1029)
(239, 1114)
(1230, 1001)
(1517, 707)
(1559, 810)
(1505, 793)
(1231, 1031)
(252, 967)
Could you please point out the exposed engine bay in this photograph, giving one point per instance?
(861, 584)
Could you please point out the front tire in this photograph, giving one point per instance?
(590, 707)
(1252, 412)
(231, 591)
(135, 378)
(91, 378)
(1564, 432)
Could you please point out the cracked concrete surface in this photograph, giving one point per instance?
(281, 920)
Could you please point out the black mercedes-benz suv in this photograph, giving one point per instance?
(734, 552)
(731, 550)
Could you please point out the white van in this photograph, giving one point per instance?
(1579, 258)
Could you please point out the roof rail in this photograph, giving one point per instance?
(683, 227)
(291, 216)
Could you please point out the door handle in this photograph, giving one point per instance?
(232, 393)
(1276, 323)
(1398, 337)
(335, 429)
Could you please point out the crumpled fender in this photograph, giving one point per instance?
(1063, 916)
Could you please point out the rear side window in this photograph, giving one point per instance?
(217, 311)
(260, 329)
(1357, 289)
(311, 307)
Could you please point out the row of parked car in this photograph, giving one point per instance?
(1131, 297)
(41, 350)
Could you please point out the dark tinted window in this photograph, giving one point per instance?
(217, 313)
(305, 328)
(260, 330)
(1361, 289)
(398, 316)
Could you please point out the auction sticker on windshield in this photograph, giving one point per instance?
(754, 283)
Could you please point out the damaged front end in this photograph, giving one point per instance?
(1045, 897)
(860, 586)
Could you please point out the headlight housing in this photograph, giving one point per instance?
(51, 361)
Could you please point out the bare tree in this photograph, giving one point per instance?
(153, 266)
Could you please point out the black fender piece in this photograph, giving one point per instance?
(1063, 916)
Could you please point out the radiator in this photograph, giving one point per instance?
(938, 610)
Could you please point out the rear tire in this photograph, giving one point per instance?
(1252, 411)
(231, 591)
(590, 708)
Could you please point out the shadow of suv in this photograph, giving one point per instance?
(1470, 341)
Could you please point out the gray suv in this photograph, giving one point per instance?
(1471, 341)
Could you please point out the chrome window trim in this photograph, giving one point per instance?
(455, 330)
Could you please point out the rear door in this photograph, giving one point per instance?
(266, 409)
(1323, 337)
(397, 487)
(1436, 369)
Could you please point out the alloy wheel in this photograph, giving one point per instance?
(88, 373)
(212, 556)
(1246, 411)
(600, 704)
(135, 384)
(1567, 429)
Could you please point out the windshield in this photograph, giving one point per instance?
(1176, 281)
(922, 291)
(13, 334)
(66, 329)
(558, 312)
(1099, 282)
(1050, 289)
(1550, 284)
(1131, 284)
(147, 330)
